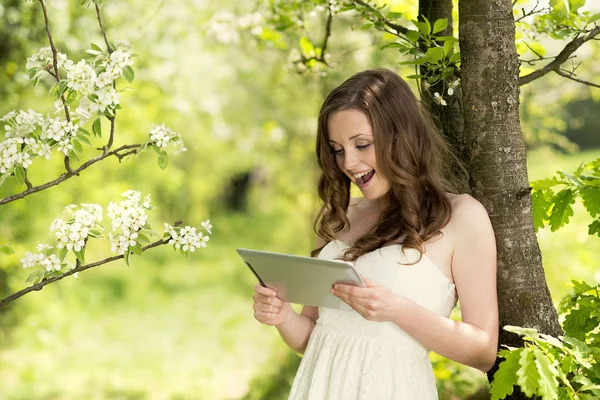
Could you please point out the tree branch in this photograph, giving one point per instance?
(39, 286)
(396, 27)
(327, 33)
(570, 76)
(72, 173)
(563, 56)
(110, 50)
(54, 58)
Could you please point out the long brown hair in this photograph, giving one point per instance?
(411, 154)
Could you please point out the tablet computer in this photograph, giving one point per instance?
(299, 279)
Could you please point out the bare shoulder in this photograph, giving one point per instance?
(469, 219)
(467, 210)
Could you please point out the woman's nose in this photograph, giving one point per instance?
(350, 160)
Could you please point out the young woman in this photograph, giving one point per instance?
(419, 247)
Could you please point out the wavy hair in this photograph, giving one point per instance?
(411, 155)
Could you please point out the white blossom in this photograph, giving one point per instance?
(21, 123)
(187, 239)
(81, 77)
(451, 87)
(127, 217)
(73, 233)
(439, 99)
(161, 136)
(43, 59)
(206, 225)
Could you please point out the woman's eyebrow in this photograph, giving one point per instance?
(353, 137)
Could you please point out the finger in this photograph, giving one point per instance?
(353, 291)
(264, 291)
(264, 308)
(264, 317)
(368, 282)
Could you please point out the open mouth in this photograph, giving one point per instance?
(364, 178)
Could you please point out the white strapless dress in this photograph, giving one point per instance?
(350, 358)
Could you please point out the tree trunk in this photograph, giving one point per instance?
(498, 169)
(449, 118)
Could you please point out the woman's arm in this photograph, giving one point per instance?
(474, 340)
(297, 330)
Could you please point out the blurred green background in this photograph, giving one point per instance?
(174, 328)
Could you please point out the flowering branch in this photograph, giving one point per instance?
(56, 75)
(119, 153)
(39, 286)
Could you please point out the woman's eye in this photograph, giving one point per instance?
(363, 146)
(337, 152)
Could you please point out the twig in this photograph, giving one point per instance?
(327, 33)
(396, 27)
(79, 268)
(563, 56)
(112, 132)
(570, 76)
(70, 174)
(54, 58)
(533, 11)
(110, 50)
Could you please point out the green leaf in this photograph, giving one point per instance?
(306, 45)
(77, 145)
(416, 61)
(435, 53)
(562, 209)
(136, 249)
(575, 5)
(94, 46)
(528, 332)
(19, 173)
(394, 15)
(84, 139)
(62, 253)
(547, 183)
(128, 73)
(6, 250)
(71, 154)
(540, 206)
(413, 36)
(580, 287)
(83, 131)
(62, 86)
(97, 127)
(71, 97)
(591, 199)
(94, 233)
(126, 256)
(366, 26)
(506, 376)
(579, 322)
(163, 159)
(594, 228)
(79, 255)
(448, 47)
(548, 374)
(454, 58)
(528, 375)
(143, 238)
(440, 25)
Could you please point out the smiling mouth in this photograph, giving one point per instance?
(362, 180)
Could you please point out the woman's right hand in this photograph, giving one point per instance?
(270, 310)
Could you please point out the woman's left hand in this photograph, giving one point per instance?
(374, 303)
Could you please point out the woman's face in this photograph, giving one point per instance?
(351, 142)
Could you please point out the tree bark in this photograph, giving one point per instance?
(498, 169)
(449, 118)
